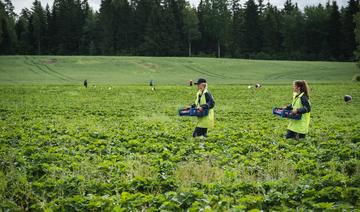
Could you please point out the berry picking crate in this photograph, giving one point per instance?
(286, 114)
(192, 111)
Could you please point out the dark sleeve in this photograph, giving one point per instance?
(306, 105)
(210, 103)
(289, 107)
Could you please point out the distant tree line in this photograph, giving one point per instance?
(221, 28)
(357, 38)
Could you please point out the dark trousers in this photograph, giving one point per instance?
(294, 135)
(200, 132)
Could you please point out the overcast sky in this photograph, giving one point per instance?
(19, 4)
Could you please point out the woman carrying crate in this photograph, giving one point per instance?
(204, 101)
(300, 105)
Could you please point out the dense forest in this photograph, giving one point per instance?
(221, 28)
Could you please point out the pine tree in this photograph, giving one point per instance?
(2, 17)
(334, 31)
(315, 32)
(261, 6)
(357, 36)
(121, 26)
(206, 43)
(348, 36)
(252, 35)
(271, 30)
(237, 29)
(141, 14)
(153, 36)
(9, 8)
(115, 21)
(8, 39)
(47, 36)
(221, 23)
(68, 18)
(289, 7)
(88, 40)
(23, 34)
(38, 25)
(170, 34)
(177, 7)
(106, 18)
(292, 33)
(190, 26)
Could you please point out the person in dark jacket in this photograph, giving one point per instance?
(85, 83)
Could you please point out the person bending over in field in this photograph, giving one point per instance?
(300, 105)
(85, 83)
(204, 100)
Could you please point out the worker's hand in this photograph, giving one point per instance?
(294, 111)
(201, 109)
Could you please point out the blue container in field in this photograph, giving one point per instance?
(192, 111)
(286, 114)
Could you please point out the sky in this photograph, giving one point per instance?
(20, 4)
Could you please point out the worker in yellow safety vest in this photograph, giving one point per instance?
(300, 105)
(204, 100)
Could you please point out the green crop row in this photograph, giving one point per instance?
(67, 148)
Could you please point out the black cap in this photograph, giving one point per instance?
(199, 81)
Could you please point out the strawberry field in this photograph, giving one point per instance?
(124, 148)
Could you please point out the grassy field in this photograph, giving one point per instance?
(117, 147)
(172, 70)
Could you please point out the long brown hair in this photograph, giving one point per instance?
(304, 87)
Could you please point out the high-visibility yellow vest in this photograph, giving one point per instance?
(205, 121)
(302, 125)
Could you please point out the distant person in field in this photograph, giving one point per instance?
(85, 83)
(300, 105)
(204, 100)
(152, 85)
(191, 83)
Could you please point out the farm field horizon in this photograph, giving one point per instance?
(167, 70)
(119, 146)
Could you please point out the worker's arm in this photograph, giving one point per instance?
(289, 107)
(210, 103)
(306, 105)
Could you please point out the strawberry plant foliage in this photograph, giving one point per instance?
(68, 148)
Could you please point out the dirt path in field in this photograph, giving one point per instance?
(208, 73)
(43, 68)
